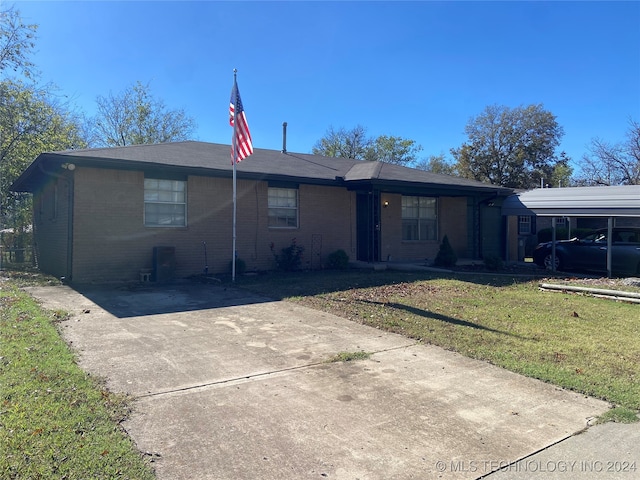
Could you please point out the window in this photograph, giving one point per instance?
(419, 218)
(165, 203)
(524, 225)
(283, 207)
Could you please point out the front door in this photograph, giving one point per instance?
(368, 226)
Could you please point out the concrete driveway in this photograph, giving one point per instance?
(230, 385)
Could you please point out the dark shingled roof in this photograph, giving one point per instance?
(200, 158)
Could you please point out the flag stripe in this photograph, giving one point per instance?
(242, 140)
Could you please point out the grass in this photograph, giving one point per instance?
(577, 342)
(619, 415)
(56, 422)
(349, 356)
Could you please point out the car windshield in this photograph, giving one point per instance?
(595, 237)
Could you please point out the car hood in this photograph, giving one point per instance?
(559, 242)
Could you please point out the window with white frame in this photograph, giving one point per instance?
(165, 203)
(419, 218)
(524, 225)
(283, 207)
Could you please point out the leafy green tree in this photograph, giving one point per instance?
(510, 147)
(436, 164)
(395, 150)
(355, 143)
(613, 164)
(30, 123)
(562, 172)
(135, 117)
(17, 41)
(343, 143)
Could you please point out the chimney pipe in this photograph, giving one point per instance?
(284, 137)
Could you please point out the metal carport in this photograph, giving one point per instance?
(608, 202)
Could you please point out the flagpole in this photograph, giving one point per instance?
(234, 161)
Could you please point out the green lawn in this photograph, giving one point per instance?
(56, 422)
(578, 342)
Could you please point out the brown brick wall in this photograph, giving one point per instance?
(452, 221)
(51, 217)
(111, 242)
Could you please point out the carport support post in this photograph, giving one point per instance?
(609, 245)
(553, 243)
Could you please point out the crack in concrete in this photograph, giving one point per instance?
(259, 375)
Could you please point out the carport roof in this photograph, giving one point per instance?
(610, 201)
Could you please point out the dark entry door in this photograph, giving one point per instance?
(368, 226)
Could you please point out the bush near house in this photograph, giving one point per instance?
(446, 256)
(338, 260)
(493, 262)
(290, 258)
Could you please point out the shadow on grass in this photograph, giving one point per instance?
(279, 285)
(437, 316)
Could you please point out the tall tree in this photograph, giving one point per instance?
(510, 147)
(613, 164)
(355, 143)
(30, 123)
(17, 41)
(436, 164)
(344, 143)
(135, 117)
(396, 150)
(562, 172)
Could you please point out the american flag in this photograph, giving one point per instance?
(242, 136)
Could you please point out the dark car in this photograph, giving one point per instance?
(590, 252)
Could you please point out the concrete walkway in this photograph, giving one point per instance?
(230, 385)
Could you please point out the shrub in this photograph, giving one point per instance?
(493, 262)
(290, 258)
(338, 260)
(446, 256)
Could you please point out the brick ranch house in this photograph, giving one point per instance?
(101, 214)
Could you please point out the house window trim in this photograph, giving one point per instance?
(529, 224)
(296, 209)
(435, 221)
(146, 202)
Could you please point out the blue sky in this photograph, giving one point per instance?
(418, 70)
